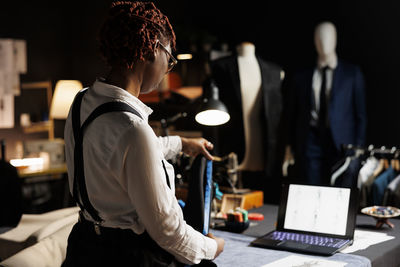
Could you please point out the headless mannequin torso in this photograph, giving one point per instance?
(250, 86)
(254, 84)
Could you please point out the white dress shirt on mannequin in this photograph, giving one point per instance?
(250, 86)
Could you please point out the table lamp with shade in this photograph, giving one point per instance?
(64, 94)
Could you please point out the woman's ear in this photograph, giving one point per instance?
(156, 51)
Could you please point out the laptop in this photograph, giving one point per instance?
(313, 219)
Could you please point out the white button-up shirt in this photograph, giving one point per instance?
(125, 178)
(317, 83)
(317, 79)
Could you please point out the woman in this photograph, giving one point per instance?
(117, 166)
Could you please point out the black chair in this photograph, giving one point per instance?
(10, 193)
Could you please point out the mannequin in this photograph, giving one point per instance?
(325, 39)
(321, 125)
(250, 85)
(325, 43)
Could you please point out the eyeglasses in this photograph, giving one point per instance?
(171, 61)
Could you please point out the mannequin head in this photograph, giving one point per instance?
(325, 39)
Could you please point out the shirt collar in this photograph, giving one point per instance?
(330, 62)
(119, 93)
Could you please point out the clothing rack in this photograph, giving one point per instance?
(381, 152)
(374, 170)
(357, 156)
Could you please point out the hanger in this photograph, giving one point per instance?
(383, 163)
(395, 161)
(380, 168)
(386, 163)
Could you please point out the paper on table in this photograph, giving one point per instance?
(364, 239)
(301, 261)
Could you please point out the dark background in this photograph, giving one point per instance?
(61, 40)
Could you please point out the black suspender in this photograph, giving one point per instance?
(79, 185)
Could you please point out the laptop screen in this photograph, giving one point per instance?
(317, 209)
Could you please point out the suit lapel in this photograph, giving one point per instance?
(265, 80)
(337, 77)
(234, 72)
(309, 90)
(264, 77)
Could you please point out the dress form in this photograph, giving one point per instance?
(250, 86)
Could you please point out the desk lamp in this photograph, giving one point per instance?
(212, 111)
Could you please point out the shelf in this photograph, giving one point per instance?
(38, 127)
(44, 126)
(53, 171)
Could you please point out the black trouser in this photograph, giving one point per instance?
(113, 247)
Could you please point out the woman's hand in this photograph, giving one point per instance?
(220, 244)
(196, 146)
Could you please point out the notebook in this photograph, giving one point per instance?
(313, 219)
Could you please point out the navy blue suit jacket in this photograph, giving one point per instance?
(347, 107)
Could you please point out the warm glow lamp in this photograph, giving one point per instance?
(212, 111)
(63, 97)
(184, 56)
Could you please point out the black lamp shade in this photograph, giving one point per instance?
(212, 112)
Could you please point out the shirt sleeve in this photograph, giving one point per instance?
(171, 146)
(155, 203)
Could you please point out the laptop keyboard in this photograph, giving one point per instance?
(307, 239)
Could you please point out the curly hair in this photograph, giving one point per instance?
(131, 31)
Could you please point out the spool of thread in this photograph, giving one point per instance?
(256, 216)
(244, 213)
(238, 216)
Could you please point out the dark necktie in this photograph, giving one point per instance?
(322, 101)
